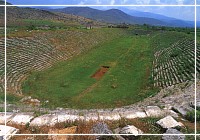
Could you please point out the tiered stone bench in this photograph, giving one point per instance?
(174, 64)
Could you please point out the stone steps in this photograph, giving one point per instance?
(168, 70)
(6, 132)
(84, 115)
(25, 55)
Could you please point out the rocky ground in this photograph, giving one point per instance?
(165, 113)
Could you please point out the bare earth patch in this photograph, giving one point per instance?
(100, 73)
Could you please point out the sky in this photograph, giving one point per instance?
(105, 2)
(198, 13)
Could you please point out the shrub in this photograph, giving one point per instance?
(31, 27)
(191, 116)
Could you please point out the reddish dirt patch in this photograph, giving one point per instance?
(100, 72)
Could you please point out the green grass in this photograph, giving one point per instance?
(191, 116)
(43, 22)
(33, 24)
(69, 84)
(2, 97)
(38, 25)
(164, 40)
(11, 98)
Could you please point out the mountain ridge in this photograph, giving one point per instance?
(120, 16)
(110, 16)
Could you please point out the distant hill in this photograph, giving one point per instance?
(168, 20)
(3, 2)
(109, 16)
(198, 24)
(83, 15)
(119, 16)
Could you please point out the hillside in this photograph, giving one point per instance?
(2, 2)
(17, 15)
(124, 15)
(110, 16)
(29, 13)
(2, 16)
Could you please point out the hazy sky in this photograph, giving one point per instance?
(110, 2)
(198, 13)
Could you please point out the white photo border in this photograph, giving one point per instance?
(131, 5)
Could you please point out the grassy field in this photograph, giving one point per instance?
(69, 84)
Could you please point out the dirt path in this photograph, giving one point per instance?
(83, 93)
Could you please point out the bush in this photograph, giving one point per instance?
(191, 116)
(31, 27)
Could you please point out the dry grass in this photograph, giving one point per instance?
(147, 125)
